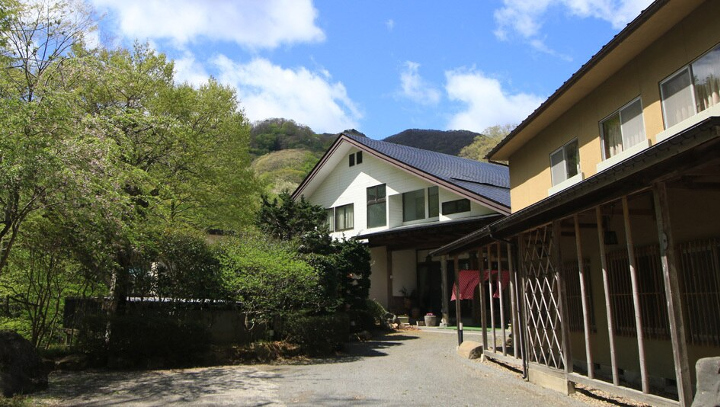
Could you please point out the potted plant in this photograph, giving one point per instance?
(430, 319)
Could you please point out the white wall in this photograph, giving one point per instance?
(404, 269)
(345, 185)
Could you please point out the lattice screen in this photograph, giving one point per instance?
(541, 298)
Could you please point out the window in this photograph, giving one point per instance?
(433, 202)
(355, 158)
(565, 162)
(344, 217)
(623, 129)
(413, 205)
(330, 219)
(450, 207)
(693, 89)
(376, 214)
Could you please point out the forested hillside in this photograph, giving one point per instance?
(443, 141)
(285, 152)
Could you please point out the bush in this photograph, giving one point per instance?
(142, 341)
(361, 320)
(318, 335)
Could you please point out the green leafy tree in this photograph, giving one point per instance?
(482, 144)
(268, 278)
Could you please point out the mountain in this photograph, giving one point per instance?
(441, 141)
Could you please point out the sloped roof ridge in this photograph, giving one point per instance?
(445, 166)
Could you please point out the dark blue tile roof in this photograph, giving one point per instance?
(491, 181)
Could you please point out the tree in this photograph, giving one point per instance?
(46, 160)
(482, 144)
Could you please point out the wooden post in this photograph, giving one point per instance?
(444, 285)
(562, 296)
(513, 302)
(490, 294)
(483, 310)
(606, 288)
(391, 302)
(636, 296)
(458, 313)
(502, 303)
(586, 313)
(672, 293)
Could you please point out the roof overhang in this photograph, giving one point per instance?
(692, 147)
(652, 23)
(341, 146)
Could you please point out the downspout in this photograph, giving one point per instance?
(517, 300)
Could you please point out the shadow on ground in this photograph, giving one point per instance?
(174, 386)
(357, 350)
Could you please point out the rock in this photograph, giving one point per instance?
(470, 349)
(21, 369)
(708, 382)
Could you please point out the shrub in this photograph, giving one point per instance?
(318, 334)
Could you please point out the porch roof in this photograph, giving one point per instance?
(696, 145)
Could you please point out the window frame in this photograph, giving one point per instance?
(455, 203)
(344, 208)
(405, 196)
(433, 203)
(565, 162)
(618, 112)
(330, 219)
(377, 201)
(689, 69)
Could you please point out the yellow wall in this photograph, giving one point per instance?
(530, 165)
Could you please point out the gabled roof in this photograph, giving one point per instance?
(484, 183)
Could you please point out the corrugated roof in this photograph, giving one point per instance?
(491, 181)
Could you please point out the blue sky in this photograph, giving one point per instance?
(377, 66)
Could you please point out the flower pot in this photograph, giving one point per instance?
(431, 320)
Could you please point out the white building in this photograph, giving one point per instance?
(405, 202)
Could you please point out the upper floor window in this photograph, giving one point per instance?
(692, 89)
(376, 203)
(344, 217)
(623, 129)
(433, 202)
(355, 158)
(413, 205)
(460, 205)
(565, 162)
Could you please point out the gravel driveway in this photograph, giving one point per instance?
(419, 368)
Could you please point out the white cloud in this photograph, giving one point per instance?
(250, 23)
(415, 88)
(487, 103)
(189, 70)
(311, 98)
(525, 17)
(390, 24)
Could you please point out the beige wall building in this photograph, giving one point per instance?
(614, 238)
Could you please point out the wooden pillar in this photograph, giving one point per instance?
(606, 289)
(513, 302)
(672, 293)
(458, 313)
(500, 295)
(586, 313)
(389, 267)
(483, 310)
(490, 293)
(562, 296)
(636, 296)
(444, 285)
